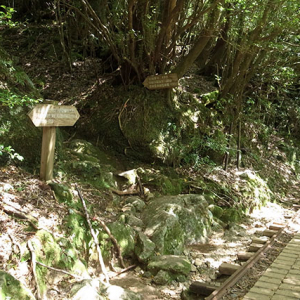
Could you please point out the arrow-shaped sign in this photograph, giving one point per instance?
(45, 115)
(157, 82)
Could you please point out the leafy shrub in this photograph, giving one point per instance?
(6, 16)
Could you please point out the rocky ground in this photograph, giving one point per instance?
(25, 199)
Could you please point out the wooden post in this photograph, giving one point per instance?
(49, 116)
(47, 155)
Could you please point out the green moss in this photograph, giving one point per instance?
(11, 288)
(62, 192)
(125, 236)
(231, 215)
(217, 211)
(172, 186)
(76, 227)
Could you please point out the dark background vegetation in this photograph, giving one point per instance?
(238, 64)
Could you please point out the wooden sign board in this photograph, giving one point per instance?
(45, 115)
(50, 116)
(157, 82)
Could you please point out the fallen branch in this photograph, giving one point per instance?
(33, 264)
(100, 258)
(125, 270)
(115, 242)
(20, 215)
(16, 244)
(60, 270)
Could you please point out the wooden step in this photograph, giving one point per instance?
(201, 288)
(268, 232)
(254, 247)
(227, 269)
(261, 240)
(244, 256)
(276, 226)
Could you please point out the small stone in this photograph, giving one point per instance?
(213, 276)
(198, 262)
(186, 252)
(193, 268)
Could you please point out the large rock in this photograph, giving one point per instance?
(173, 264)
(90, 287)
(94, 289)
(173, 221)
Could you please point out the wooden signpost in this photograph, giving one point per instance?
(157, 82)
(49, 117)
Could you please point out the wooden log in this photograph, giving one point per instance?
(261, 240)
(269, 232)
(276, 226)
(228, 269)
(200, 288)
(254, 247)
(244, 256)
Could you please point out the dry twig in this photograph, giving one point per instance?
(115, 242)
(100, 258)
(40, 296)
(60, 270)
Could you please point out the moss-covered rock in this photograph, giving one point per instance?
(77, 228)
(231, 215)
(136, 202)
(166, 182)
(11, 288)
(217, 211)
(173, 221)
(144, 248)
(62, 192)
(125, 236)
(58, 254)
(173, 264)
(91, 164)
(162, 278)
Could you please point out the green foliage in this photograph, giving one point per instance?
(6, 16)
(10, 99)
(11, 152)
(13, 101)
